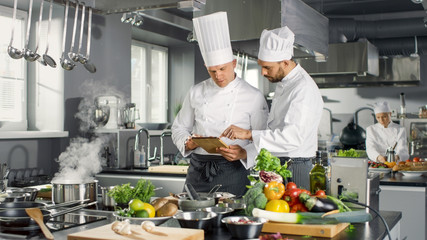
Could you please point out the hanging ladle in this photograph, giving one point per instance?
(28, 54)
(76, 57)
(66, 63)
(85, 59)
(72, 55)
(46, 59)
(12, 51)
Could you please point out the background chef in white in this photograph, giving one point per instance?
(295, 112)
(384, 134)
(212, 105)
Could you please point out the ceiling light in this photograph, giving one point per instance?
(127, 18)
(417, 1)
(137, 20)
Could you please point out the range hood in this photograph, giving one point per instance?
(354, 58)
(248, 18)
(394, 71)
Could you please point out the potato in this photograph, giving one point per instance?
(169, 209)
(159, 202)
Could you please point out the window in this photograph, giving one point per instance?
(13, 80)
(150, 81)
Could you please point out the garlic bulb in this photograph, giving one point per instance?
(148, 226)
(122, 228)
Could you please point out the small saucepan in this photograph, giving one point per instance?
(18, 218)
(43, 206)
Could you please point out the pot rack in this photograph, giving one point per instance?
(105, 7)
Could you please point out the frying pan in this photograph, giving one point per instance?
(43, 206)
(14, 218)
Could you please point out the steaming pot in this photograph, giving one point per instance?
(67, 190)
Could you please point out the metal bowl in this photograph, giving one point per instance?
(31, 191)
(197, 219)
(186, 204)
(136, 220)
(221, 213)
(244, 227)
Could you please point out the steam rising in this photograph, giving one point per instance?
(80, 161)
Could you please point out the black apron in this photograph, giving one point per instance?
(206, 171)
(300, 168)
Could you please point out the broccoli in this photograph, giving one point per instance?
(255, 198)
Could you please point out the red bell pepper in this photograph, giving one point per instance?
(292, 196)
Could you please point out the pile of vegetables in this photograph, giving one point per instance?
(348, 153)
(123, 194)
(270, 168)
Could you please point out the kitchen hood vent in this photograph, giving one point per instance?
(248, 18)
(396, 71)
(354, 58)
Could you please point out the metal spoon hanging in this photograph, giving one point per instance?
(28, 54)
(73, 56)
(85, 59)
(46, 59)
(12, 51)
(76, 57)
(65, 63)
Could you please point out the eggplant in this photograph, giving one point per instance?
(315, 204)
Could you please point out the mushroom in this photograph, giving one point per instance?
(148, 226)
(122, 228)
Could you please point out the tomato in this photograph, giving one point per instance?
(291, 185)
(305, 191)
(277, 206)
(320, 193)
(298, 207)
(416, 159)
(409, 160)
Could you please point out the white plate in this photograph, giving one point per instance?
(383, 170)
(413, 173)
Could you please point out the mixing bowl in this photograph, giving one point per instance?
(244, 227)
(196, 219)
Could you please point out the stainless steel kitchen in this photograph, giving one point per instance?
(110, 129)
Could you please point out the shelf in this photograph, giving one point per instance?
(32, 134)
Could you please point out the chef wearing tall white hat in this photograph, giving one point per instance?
(214, 104)
(385, 134)
(295, 113)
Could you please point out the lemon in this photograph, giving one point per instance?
(136, 205)
(150, 209)
(142, 214)
(277, 206)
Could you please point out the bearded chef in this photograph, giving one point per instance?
(295, 113)
(212, 105)
(384, 134)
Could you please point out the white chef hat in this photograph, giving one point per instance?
(211, 32)
(276, 45)
(381, 107)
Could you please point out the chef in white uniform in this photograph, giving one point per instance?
(384, 134)
(212, 105)
(295, 113)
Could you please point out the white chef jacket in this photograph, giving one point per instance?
(208, 110)
(293, 120)
(379, 138)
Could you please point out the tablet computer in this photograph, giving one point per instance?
(209, 144)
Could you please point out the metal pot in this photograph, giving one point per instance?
(107, 201)
(65, 191)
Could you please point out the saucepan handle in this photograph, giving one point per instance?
(72, 209)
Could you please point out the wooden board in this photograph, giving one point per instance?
(169, 169)
(160, 233)
(209, 144)
(327, 230)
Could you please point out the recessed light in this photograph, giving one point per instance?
(417, 1)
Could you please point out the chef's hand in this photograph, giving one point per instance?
(234, 132)
(190, 144)
(381, 158)
(232, 153)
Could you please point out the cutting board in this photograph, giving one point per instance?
(327, 230)
(160, 233)
(169, 169)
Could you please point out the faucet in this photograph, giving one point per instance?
(148, 158)
(164, 133)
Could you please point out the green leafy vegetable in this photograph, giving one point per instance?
(341, 206)
(348, 153)
(265, 161)
(122, 194)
